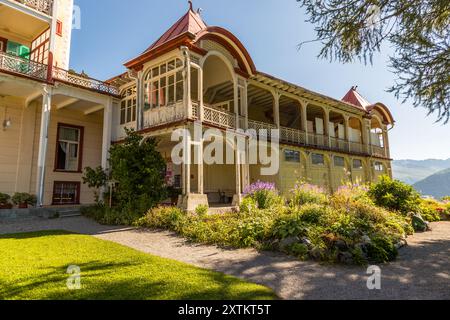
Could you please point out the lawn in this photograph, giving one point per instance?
(34, 266)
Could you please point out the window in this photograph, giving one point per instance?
(40, 48)
(128, 106)
(357, 164)
(69, 148)
(292, 156)
(17, 49)
(65, 193)
(318, 159)
(164, 85)
(3, 42)
(379, 167)
(59, 28)
(339, 162)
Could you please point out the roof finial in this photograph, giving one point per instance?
(191, 6)
(354, 88)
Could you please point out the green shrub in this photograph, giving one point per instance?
(431, 210)
(162, 218)
(299, 250)
(24, 198)
(395, 195)
(95, 179)
(306, 193)
(110, 216)
(381, 250)
(264, 194)
(248, 204)
(4, 198)
(202, 210)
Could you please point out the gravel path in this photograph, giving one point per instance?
(421, 272)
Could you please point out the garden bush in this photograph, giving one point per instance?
(305, 193)
(432, 210)
(5, 200)
(110, 216)
(137, 169)
(346, 227)
(264, 195)
(395, 195)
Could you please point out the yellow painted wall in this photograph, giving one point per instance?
(19, 147)
(92, 150)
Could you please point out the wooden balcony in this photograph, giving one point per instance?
(43, 6)
(219, 118)
(164, 115)
(378, 151)
(23, 67)
(84, 82)
(15, 65)
(226, 120)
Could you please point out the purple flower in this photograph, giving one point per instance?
(258, 187)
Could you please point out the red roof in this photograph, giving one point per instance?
(191, 23)
(353, 97)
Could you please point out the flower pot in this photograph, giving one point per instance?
(23, 206)
(6, 206)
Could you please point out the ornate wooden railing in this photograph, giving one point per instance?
(339, 144)
(164, 115)
(318, 140)
(44, 6)
(262, 128)
(219, 118)
(84, 82)
(292, 136)
(22, 66)
(378, 151)
(357, 147)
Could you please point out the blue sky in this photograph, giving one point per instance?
(114, 31)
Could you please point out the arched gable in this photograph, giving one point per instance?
(232, 44)
(383, 111)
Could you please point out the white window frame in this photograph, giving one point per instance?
(70, 143)
(160, 75)
(128, 103)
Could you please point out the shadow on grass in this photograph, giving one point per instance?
(136, 278)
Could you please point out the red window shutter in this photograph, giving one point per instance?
(59, 28)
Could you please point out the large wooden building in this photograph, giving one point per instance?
(57, 122)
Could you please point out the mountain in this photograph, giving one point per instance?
(413, 171)
(437, 185)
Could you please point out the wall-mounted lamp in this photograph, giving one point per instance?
(7, 124)
(7, 121)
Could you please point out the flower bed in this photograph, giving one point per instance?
(346, 227)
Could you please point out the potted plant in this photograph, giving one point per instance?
(23, 200)
(4, 201)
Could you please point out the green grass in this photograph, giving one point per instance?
(34, 265)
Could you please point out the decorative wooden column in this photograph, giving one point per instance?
(276, 109)
(187, 81)
(366, 134)
(347, 130)
(107, 131)
(43, 144)
(326, 125)
(304, 119)
(386, 141)
(140, 101)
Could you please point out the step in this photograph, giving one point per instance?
(222, 210)
(69, 213)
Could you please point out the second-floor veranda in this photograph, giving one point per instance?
(211, 92)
